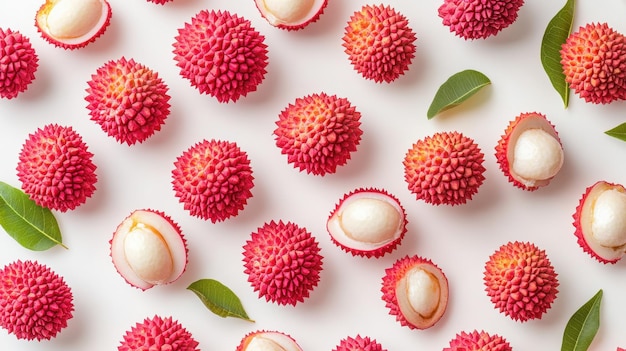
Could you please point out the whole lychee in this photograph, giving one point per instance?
(221, 54)
(283, 262)
(35, 302)
(158, 333)
(379, 42)
(318, 132)
(159, 2)
(128, 100)
(291, 15)
(267, 340)
(479, 19)
(213, 179)
(594, 63)
(358, 343)
(478, 341)
(445, 168)
(56, 169)
(18, 63)
(520, 281)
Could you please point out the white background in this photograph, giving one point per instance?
(347, 300)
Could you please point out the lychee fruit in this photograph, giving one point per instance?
(221, 54)
(128, 100)
(291, 15)
(18, 63)
(379, 42)
(520, 281)
(35, 302)
(148, 248)
(478, 341)
(367, 222)
(73, 24)
(445, 168)
(268, 340)
(159, 2)
(358, 343)
(318, 133)
(479, 19)
(56, 168)
(594, 63)
(600, 223)
(213, 179)
(416, 292)
(529, 152)
(283, 262)
(158, 333)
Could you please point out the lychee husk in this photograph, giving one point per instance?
(537, 159)
(268, 340)
(379, 42)
(479, 19)
(367, 222)
(35, 302)
(599, 221)
(18, 63)
(478, 341)
(158, 333)
(358, 343)
(416, 292)
(291, 15)
(520, 281)
(73, 24)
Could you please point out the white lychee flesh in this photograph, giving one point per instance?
(271, 341)
(73, 21)
(422, 295)
(290, 13)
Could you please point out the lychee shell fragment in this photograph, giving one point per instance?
(479, 19)
(269, 340)
(478, 341)
(158, 333)
(18, 63)
(291, 15)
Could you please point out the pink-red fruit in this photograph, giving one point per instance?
(158, 333)
(291, 14)
(358, 343)
(264, 340)
(18, 63)
(478, 19)
(478, 341)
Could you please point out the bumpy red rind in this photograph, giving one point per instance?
(158, 333)
(358, 343)
(18, 63)
(478, 341)
(479, 19)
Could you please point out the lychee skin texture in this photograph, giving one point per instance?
(520, 281)
(213, 179)
(479, 19)
(160, 2)
(56, 168)
(158, 333)
(594, 63)
(283, 262)
(379, 42)
(18, 63)
(35, 302)
(478, 341)
(445, 168)
(221, 55)
(129, 101)
(358, 343)
(318, 133)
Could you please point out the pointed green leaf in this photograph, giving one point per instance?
(458, 88)
(618, 132)
(583, 325)
(219, 299)
(31, 225)
(557, 31)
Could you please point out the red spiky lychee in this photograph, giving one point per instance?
(18, 63)
(267, 340)
(128, 100)
(478, 341)
(283, 262)
(35, 302)
(318, 133)
(358, 343)
(56, 168)
(291, 15)
(158, 333)
(159, 2)
(221, 54)
(213, 179)
(379, 42)
(479, 19)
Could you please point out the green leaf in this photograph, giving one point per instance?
(31, 225)
(557, 31)
(583, 325)
(618, 132)
(458, 88)
(219, 299)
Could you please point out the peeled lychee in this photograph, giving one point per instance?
(213, 179)
(56, 169)
(600, 221)
(478, 341)
(18, 63)
(283, 262)
(158, 333)
(479, 19)
(148, 249)
(529, 152)
(445, 168)
(358, 343)
(128, 100)
(594, 63)
(379, 42)
(35, 302)
(291, 15)
(318, 133)
(263, 340)
(221, 54)
(367, 222)
(520, 281)
(72, 24)
(416, 292)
